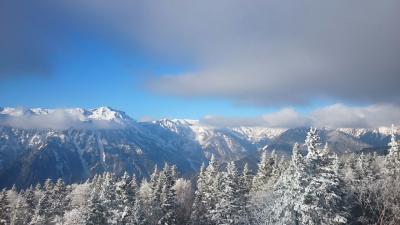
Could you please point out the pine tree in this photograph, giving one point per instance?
(247, 178)
(245, 186)
(280, 205)
(19, 213)
(184, 200)
(61, 199)
(107, 198)
(230, 208)
(125, 198)
(30, 200)
(211, 188)
(168, 200)
(312, 143)
(268, 172)
(5, 211)
(392, 164)
(44, 211)
(323, 194)
(96, 212)
(197, 216)
(140, 214)
(147, 205)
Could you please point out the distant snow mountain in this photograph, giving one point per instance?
(77, 143)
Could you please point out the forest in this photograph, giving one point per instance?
(313, 187)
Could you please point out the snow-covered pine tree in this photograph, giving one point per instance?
(276, 171)
(38, 192)
(184, 199)
(280, 205)
(247, 178)
(107, 198)
(139, 210)
(61, 199)
(30, 200)
(167, 197)
(197, 216)
(96, 212)
(392, 164)
(211, 189)
(44, 210)
(267, 172)
(147, 207)
(263, 171)
(230, 208)
(125, 199)
(5, 210)
(74, 217)
(323, 197)
(19, 212)
(312, 143)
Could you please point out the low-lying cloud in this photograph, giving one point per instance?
(57, 119)
(333, 116)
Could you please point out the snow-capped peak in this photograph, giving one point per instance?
(107, 113)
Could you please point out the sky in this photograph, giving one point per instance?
(229, 62)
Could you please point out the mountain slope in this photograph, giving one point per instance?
(77, 143)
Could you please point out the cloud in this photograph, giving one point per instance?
(278, 52)
(339, 115)
(57, 119)
(333, 116)
(286, 117)
(274, 52)
(26, 38)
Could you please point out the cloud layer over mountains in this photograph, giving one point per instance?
(333, 116)
(100, 118)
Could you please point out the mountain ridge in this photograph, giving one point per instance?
(104, 139)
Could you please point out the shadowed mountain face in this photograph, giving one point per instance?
(107, 140)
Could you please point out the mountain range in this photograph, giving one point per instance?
(75, 144)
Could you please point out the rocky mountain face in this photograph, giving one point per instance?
(75, 144)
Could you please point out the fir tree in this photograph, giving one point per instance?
(211, 188)
(199, 205)
(312, 143)
(168, 200)
(125, 198)
(19, 213)
(44, 211)
(230, 208)
(5, 210)
(61, 199)
(30, 200)
(323, 194)
(96, 212)
(392, 164)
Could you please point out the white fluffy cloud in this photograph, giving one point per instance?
(333, 116)
(63, 118)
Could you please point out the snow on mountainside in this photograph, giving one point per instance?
(256, 134)
(77, 143)
(358, 132)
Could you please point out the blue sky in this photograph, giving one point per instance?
(92, 74)
(228, 59)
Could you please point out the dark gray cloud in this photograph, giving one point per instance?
(290, 52)
(333, 116)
